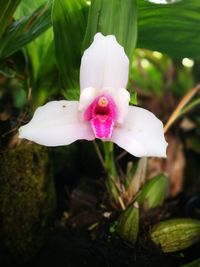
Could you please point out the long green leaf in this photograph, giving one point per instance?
(25, 30)
(69, 23)
(41, 52)
(27, 7)
(41, 57)
(118, 17)
(6, 12)
(172, 29)
(41, 49)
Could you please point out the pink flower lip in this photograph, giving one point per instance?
(102, 114)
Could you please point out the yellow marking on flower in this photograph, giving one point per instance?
(103, 101)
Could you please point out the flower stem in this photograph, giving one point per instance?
(112, 178)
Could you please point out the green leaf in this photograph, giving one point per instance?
(25, 30)
(113, 17)
(195, 263)
(172, 29)
(27, 7)
(41, 56)
(194, 103)
(154, 192)
(133, 100)
(69, 23)
(72, 94)
(41, 52)
(128, 223)
(6, 12)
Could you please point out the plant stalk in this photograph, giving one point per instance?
(112, 182)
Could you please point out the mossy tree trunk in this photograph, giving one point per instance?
(27, 200)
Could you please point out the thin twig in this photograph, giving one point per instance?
(121, 202)
(121, 155)
(184, 101)
(99, 154)
(138, 179)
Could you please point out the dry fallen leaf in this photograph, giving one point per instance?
(173, 165)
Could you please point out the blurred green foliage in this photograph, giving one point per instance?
(41, 43)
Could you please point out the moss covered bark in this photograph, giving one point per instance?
(27, 200)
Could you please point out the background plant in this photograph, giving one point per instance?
(41, 44)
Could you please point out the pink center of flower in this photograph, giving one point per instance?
(102, 114)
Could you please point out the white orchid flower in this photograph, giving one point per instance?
(103, 110)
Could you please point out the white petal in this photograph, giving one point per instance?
(141, 134)
(104, 64)
(55, 124)
(121, 98)
(87, 96)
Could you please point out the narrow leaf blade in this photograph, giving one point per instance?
(7, 10)
(25, 30)
(69, 23)
(113, 17)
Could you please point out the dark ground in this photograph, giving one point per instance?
(72, 243)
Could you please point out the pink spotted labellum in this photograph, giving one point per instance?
(103, 110)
